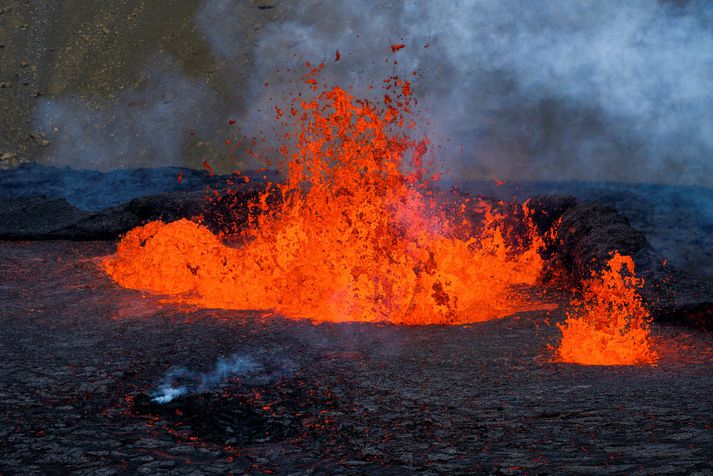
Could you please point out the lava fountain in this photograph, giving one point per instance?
(609, 325)
(357, 232)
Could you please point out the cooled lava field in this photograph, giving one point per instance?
(79, 356)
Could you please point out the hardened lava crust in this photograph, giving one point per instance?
(80, 356)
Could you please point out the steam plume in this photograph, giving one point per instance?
(586, 90)
(139, 127)
(180, 381)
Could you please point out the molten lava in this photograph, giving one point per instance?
(354, 233)
(610, 326)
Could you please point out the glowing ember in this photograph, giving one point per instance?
(357, 235)
(610, 326)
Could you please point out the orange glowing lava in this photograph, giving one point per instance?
(357, 233)
(610, 326)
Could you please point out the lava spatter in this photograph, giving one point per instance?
(357, 235)
(609, 325)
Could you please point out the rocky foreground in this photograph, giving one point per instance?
(79, 355)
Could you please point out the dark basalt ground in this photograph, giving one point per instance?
(77, 352)
(226, 418)
(46, 203)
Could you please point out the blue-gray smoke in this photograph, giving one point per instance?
(143, 126)
(180, 381)
(517, 89)
(584, 90)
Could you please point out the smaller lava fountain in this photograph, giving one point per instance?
(610, 325)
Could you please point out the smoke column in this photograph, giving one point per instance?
(586, 90)
(592, 90)
(143, 126)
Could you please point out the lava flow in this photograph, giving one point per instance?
(357, 233)
(610, 326)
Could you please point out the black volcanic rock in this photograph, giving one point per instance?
(223, 419)
(35, 216)
(96, 190)
(38, 202)
(587, 234)
(547, 209)
(42, 218)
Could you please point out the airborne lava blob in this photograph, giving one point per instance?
(356, 235)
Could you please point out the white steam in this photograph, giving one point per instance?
(583, 90)
(139, 127)
(181, 381)
(587, 90)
